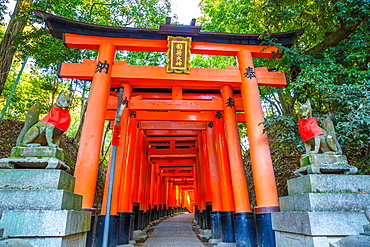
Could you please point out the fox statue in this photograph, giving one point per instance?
(319, 139)
(49, 130)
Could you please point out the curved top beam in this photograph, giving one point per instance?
(59, 26)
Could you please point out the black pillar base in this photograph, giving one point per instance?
(160, 211)
(155, 211)
(90, 234)
(141, 220)
(124, 228)
(132, 220)
(265, 234)
(216, 225)
(113, 230)
(245, 229)
(208, 215)
(201, 220)
(205, 225)
(145, 220)
(227, 227)
(137, 217)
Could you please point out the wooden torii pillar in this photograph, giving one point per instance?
(106, 73)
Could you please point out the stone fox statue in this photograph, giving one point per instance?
(320, 139)
(49, 131)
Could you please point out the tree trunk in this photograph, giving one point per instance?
(285, 108)
(82, 120)
(8, 45)
(335, 37)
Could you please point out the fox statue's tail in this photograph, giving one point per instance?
(328, 126)
(32, 117)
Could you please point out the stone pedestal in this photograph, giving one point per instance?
(39, 206)
(321, 209)
(35, 157)
(324, 164)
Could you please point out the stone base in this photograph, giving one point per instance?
(39, 200)
(16, 242)
(352, 241)
(36, 179)
(75, 240)
(223, 244)
(286, 239)
(4, 165)
(214, 241)
(139, 236)
(319, 223)
(34, 163)
(315, 229)
(23, 152)
(325, 202)
(329, 183)
(324, 163)
(44, 223)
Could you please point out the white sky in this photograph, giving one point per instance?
(186, 10)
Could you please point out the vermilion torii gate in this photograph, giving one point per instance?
(180, 143)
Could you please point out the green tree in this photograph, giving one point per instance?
(329, 64)
(27, 34)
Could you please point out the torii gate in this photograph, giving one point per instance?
(180, 143)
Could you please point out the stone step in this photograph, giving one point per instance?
(319, 223)
(329, 183)
(317, 229)
(325, 202)
(75, 240)
(44, 223)
(36, 179)
(40, 199)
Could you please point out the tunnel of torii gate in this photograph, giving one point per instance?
(180, 145)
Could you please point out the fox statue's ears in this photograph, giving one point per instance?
(308, 103)
(62, 93)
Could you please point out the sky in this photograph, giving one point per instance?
(184, 9)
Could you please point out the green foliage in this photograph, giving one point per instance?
(334, 77)
(24, 96)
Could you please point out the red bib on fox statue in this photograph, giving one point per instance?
(59, 118)
(309, 128)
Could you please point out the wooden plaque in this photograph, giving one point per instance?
(178, 54)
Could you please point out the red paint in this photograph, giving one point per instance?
(59, 118)
(309, 128)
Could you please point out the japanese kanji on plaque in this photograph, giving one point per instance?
(178, 54)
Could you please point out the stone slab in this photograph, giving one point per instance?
(44, 223)
(75, 240)
(36, 179)
(285, 239)
(319, 223)
(21, 152)
(15, 243)
(5, 165)
(223, 244)
(329, 183)
(325, 202)
(323, 159)
(34, 163)
(353, 241)
(40, 199)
